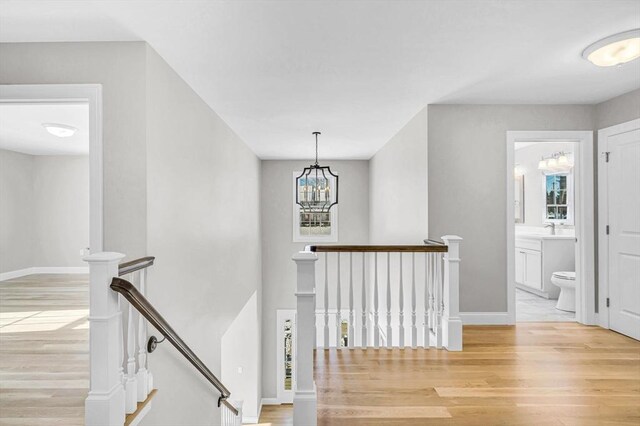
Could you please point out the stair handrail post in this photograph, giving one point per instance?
(105, 403)
(305, 395)
(451, 321)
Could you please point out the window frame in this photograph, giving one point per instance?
(570, 200)
(299, 238)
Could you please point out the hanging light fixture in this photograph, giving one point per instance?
(556, 163)
(315, 191)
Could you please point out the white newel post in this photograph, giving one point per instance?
(305, 397)
(104, 405)
(451, 322)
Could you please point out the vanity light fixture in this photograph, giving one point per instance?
(60, 130)
(617, 49)
(555, 163)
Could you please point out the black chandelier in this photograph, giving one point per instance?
(317, 187)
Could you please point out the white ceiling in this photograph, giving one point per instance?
(355, 70)
(21, 128)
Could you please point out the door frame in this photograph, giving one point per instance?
(62, 93)
(603, 215)
(584, 218)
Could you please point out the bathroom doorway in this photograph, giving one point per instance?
(550, 229)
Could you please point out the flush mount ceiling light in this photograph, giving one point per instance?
(60, 130)
(316, 187)
(617, 49)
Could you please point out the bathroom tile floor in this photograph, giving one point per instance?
(530, 307)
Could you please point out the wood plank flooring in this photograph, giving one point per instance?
(44, 350)
(561, 374)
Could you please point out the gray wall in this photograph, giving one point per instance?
(16, 211)
(120, 68)
(467, 192)
(398, 176)
(44, 210)
(203, 218)
(618, 110)
(279, 273)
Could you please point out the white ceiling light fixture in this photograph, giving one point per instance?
(614, 50)
(60, 130)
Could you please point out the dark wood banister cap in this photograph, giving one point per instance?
(135, 265)
(431, 248)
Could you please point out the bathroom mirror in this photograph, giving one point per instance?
(558, 192)
(519, 198)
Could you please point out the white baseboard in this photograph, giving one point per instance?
(44, 270)
(484, 318)
(250, 420)
(269, 401)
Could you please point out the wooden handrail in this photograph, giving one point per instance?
(142, 305)
(432, 248)
(135, 265)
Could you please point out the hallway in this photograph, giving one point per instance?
(44, 350)
(531, 374)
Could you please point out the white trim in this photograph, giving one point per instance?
(269, 401)
(584, 219)
(44, 270)
(141, 415)
(250, 420)
(603, 216)
(484, 318)
(92, 94)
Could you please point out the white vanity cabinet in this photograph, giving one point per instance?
(537, 257)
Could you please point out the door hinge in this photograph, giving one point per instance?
(606, 156)
(607, 230)
(607, 302)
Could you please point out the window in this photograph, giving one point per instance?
(558, 198)
(309, 226)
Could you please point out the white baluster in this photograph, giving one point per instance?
(437, 308)
(131, 386)
(401, 304)
(452, 324)
(123, 346)
(376, 322)
(427, 298)
(414, 328)
(389, 336)
(143, 374)
(105, 402)
(352, 333)
(338, 307)
(326, 300)
(364, 304)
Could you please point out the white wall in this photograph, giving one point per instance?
(467, 186)
(527, 159)
(203, 226)
(44, 213)
(279, 272)
(61, 223)
(16, 211)
(398, 176)
(120, 68)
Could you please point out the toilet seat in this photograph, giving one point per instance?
(564, 275)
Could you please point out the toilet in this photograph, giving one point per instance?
(567, 283)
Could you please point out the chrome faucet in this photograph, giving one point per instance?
(551, 225)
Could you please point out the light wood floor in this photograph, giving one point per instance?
(532, 374)
(44, 350)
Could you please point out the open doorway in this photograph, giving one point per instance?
(550, 228)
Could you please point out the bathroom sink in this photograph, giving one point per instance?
(545, 236)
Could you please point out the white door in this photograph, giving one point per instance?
(622, 144)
